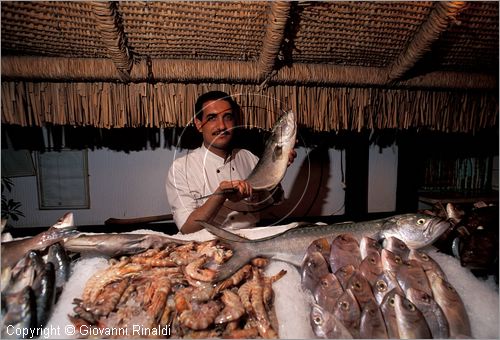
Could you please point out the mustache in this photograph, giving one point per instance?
(221, 132)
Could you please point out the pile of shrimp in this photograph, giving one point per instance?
(170, 292)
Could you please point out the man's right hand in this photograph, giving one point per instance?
(235, 190)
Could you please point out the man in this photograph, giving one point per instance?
(215, 169)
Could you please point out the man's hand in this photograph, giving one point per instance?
(235, 190)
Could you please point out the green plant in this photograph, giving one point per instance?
(10, 208)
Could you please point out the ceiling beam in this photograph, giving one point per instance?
(441, 15)
(275, 32)
(113, 36)
(175, 71)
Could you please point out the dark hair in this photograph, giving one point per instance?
(214, 95)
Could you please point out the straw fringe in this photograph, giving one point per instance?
(115, 105)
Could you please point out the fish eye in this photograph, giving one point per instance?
(424, 257)
(381, 285)
(372, 260)
(392, 302)
(324, 283)
(421, 221)
(357, 285)
(317, 320)
(411, 307)
(398, 260)
(344, 305)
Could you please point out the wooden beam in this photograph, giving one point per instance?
(275, 33)
(92, 69)
(113, 36)
(440, 17)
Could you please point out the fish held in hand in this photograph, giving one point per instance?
(272, 166)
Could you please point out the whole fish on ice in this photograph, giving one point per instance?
(13, 251)
(416, 230)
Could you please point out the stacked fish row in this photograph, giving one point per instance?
(169, 292)
(364, 290)
(30, 289)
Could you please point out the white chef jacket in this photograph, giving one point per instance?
(199, 173)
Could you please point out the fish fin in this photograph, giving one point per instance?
(222, 233)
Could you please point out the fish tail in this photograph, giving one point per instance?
(242, 249)
(242, 254)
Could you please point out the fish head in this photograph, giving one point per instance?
(285, 128)
(319, 320)
(415, 230)
(65, 221)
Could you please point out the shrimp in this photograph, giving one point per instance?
(194, 271)
(235, 279)
(263, 324)
(109, 297)
(260, 262)
(267, 292)
(201, 316)
(244, 293)
(233, 309)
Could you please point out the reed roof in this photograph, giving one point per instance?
(390, 45)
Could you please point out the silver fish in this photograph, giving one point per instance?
(313, 268)
(44, 287)
(411, 322)
(327, 326)
(21, 313)
(385, 284)
(13, 251)
(416, 229)
(344, 251)
(390, 261)
(372, 325)
(348, 312)
(361, 289)
(367, 246)
(272, 166)
(62, 263)
(433, 314)
(117, 244)
(344, 274)
(397, 246)
(371, 267)
(451, 304)
(327, 292)
(427, 262)
(387, 307)
(412, 275)
(322, 245)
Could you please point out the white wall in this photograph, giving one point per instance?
(127, 185)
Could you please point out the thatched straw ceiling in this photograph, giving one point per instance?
(340, 65)
(429, 44)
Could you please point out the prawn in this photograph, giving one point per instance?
(194, 271)
(233, 309)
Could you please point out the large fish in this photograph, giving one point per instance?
(416, 230)
(272, 165)
(116, 244)
(13, 251)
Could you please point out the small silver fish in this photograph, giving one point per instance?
(371, 267)
(367, 246)
(434, 316)
(426, 262)
(344, 274)
(372, 325)
(348, 312)
(411, 322)
(327, 326)
(313, 268)
(344, 251)
(62, 263)
(328, 291)
(397, 247)
(412, 275)
(451, 304)
(361, 289)
(387, 307)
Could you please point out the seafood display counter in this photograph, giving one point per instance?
(292, 305)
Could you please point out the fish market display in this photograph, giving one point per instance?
(272, 165)
(415, 230)
(170, 292)
(361, 290)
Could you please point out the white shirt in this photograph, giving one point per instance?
(199, 173)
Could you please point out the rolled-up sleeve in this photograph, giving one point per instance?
(179, 195)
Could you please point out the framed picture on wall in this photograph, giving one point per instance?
(62, 178)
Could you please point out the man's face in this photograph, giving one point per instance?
(217, 125)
